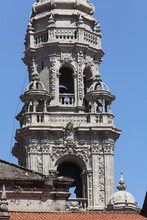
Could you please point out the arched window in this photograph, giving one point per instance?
(66, 81)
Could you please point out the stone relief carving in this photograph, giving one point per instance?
(66, 57)
(97, 149)
(109, 149)
(90, 188)
(52, 76)
(83, 153)
(80, 75)
(69, 131)
(102, 178)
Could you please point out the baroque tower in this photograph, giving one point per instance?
(66, 124)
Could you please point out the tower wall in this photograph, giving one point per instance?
(68, 125)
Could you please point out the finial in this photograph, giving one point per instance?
(3, 202)
(4, 197)
(121, 186)
(34, 75)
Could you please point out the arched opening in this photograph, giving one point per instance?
(66, 86)
(66, 81)
(72, 170)
(40, 106)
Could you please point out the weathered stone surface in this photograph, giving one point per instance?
(67, 124)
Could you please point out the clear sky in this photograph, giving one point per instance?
(124, 69)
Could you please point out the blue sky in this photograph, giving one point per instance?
(124, 30)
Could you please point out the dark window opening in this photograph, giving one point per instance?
(40, 106)
(66, 81)
(42, 65)
(75, 34)
(69, 169)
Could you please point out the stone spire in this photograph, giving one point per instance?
(4, 205)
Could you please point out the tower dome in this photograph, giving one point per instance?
(122, 200)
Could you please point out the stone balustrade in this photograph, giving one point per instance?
(67, 99)
(45, 118)
(77, 204)
(68, 35)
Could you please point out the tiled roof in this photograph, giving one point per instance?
(74, 216)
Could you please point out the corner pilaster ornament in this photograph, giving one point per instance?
(122, 186)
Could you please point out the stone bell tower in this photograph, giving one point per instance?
(66, 124)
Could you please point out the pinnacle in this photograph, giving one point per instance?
(122, 186)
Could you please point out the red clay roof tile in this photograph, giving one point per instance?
(74, 216)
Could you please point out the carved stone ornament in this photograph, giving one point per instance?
(97, 149)
(69, 131)
(66, 58)
(80, 60)
(90, 188)
(102, 178)
(83, 153)
(52, 76)
(39, 162)
(109, 149)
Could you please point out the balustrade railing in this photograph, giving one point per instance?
(41, 38)
(67, 99)
(78, 203)
(67, 35)
(45, 118)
